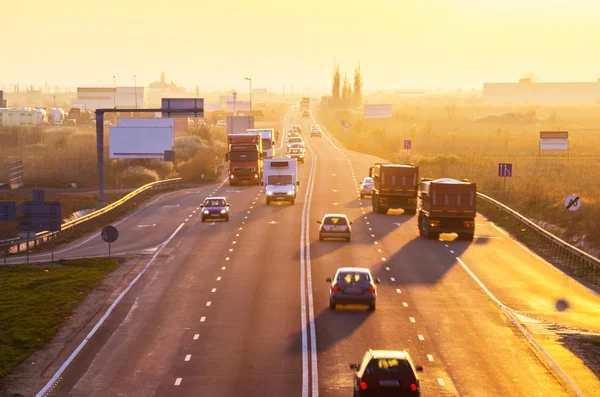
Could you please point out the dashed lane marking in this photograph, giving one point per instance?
(202, 319)
(230, 249)
(218, 278)
(196, 336)
(383, 259)
(213, 290)
(208, 303)
(420, 337)
(441, 382)
(379, 250)
(430, 357)
(392, 278)
(398, 290)
(235, 242)
(178, 381)
(223, 268)
(404, 304)
(188, 357)
(412, 319)
(387, 268)
(227, 258)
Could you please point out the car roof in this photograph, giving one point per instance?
(368, 178)
(335, 215)
(354, 269)
(397, 354)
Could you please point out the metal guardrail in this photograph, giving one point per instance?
(18, 245)
(579, 262)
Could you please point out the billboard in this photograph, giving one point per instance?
(378, 111)
(239, 124)
(554, 140)
(140, 142)
(183, 103)
(92, 98)
(147, 122)
(240, 106)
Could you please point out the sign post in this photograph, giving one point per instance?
(505, 171)
(8, 212)
(110, 234)
(407, 145)
(572, 203)
(39, 216)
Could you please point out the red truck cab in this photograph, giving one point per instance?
(245, 159)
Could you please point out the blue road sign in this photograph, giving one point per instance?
(39, 216)
(38, 195)
(407, 144)
(8, 211)
(505, 170)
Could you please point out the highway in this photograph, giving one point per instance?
(241, 307)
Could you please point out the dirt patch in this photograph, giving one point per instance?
(586, 347)
(29, 377)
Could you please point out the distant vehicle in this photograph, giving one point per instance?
(353, 285)
(395, 186)
(335, 226)
(81, 116)
(305, 113)
(315, 127)
(297, 128)
(447, 206)
(215, 208)
(293, 133)
(315, 132)
(245, 158)
(280, 180)
(267, 136)
(366, 187)
(222, 123)
(57, 116)
(297, 151)
(386, 373)
(295, 139)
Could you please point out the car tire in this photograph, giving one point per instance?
(268, 201)
(348, 239)
(372, 308)
(362, 196)
(293, 201)
(320, 238)
(227, 218)
(203, 220)
(466, 236)
(331, 305)
(410, 212)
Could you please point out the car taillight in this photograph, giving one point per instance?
(468, 224)
(413, 387)
(371, 289)
(336, 288)
(434, 224)
(363, 385)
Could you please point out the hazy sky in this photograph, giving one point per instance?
(216, 43)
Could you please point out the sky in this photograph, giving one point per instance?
(291, 46)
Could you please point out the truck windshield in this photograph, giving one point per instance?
(243, 156)
(267, 144)
(279, 180)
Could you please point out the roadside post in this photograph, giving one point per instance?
(110, 234)
(8, 212)
(407, 145)
(572, 203)
(505, 171)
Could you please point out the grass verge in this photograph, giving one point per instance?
(37, 299)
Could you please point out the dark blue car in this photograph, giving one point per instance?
(215, 208)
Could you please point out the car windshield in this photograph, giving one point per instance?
(353, 277)
(279, 180)
(368, 181)
(243, 156)
(335, 221)
(388, 366)
(215, 203)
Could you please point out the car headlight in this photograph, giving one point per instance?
(231, 176)
(205, 211)
(269, 193)
(223, 211)
(255, 175)
(290, 193)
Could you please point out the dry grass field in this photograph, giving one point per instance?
(448, 140)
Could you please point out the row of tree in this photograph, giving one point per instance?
(347, 94)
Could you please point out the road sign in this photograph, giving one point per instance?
(110, 234)
(38, 195)
(573, 202)
(505, 170)
(407, 144)
(8, 211)
(183, 104)
(39, 216)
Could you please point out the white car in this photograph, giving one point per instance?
(335, 226)
(295, 139)
(366, 187)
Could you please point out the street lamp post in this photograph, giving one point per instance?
(250, 80)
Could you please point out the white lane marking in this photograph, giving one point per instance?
(383, 259)
(451, 251)
(254, 202)
(365, 217)
(202, 319)
(392, 278)
(246, 217)
(372, 235)
(508, 312)
(412, 319)
(105, 316)
(243, 223)
(441, 382)
(230, 249)
(430, 357)
(251, 208)
(375, 242)
(364, 212)
(237, 235)
(379, 250)
(187, 219)
(196, 336)
(446, 245)
(398, 290)
(223, 268)
(240, 228)
(368, 223)
(188, 357)
(152, 225)
(178, 381)
(404, 304)
(208, 303)
(420, 337)
(219, 278)
(227, 258)
(370, 229)
(213, 290)
(387, 268)
(193, 212)
(235, 242)
(197, 208)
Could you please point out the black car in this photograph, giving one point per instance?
(353, 285)
(215, 208)
(384, 373)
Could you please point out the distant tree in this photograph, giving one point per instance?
(357, 93)
(162, 78)
(346, 91)
(335, 87)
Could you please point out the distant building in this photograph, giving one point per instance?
(2, 100)
(526, 91)
(92, 98)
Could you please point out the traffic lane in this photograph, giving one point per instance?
(526, 283)
(484, 353)
(134, 349)
(174, 204)
(245, 342)
(344, 335)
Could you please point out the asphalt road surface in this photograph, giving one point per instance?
(240, 308)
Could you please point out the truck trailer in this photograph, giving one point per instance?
(447, 206)
(394, 186)
(267, 135)
(280, 180)
(245, 159)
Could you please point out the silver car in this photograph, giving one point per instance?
(353, 285)
(335, 226)
(366, 187)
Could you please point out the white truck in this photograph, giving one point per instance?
(267, 134)
(280, 180)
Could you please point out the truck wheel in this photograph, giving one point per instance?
(293, 201)
(375, 204)
(433, 235)
(410, 212)
(268, 201)
(466, 236)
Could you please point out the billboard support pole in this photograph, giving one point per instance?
(5, 234)
(100, 154)
(28, 231)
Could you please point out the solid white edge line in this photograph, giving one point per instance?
(522, 329)
(105, 316)
(303, 296)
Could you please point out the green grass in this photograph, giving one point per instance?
(36, 300)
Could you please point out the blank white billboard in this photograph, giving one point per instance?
(378, 111)
(554, 144)
(147, 122)
(140, 142)
(239, 124)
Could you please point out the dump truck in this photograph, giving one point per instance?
(447, 206)
(394, 186)
(245, 158)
